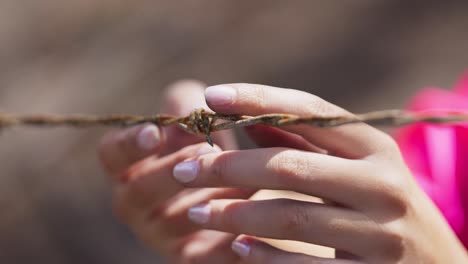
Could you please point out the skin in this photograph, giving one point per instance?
(374, 211)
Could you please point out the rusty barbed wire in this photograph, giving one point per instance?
(201, 121)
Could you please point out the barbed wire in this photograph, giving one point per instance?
(201, 121)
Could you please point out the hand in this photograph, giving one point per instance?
(140, 161)
(375, 211)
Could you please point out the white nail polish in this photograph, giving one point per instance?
(200, 214)
(148, 137)
(240, 248)
(220, 95)
(186, 171)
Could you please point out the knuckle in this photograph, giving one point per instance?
(259, 96)
(388, 146)
(339, 225)
(289, 167)
(393, 195)
(390, 246)
(295, 218)
(397, 194)
(252, 94)
(317, 106)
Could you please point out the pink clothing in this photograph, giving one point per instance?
(438, 154)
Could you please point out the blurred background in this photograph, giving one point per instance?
(116, 56)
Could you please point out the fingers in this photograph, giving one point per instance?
(119, 149)
(347, 182)
(170, 219)
(350, 141)
(166, 222)
(146, 196)
(319, 224)
(181, 98)
(150, 179)
(149, 184)
(155, 206)
(252, 251)
(266, 136)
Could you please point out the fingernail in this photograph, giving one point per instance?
(220, 95)
(148, 137)
(240, 248)
(186, 171)
(207, 149)
(200, 214)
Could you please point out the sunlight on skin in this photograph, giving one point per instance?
(294, 246)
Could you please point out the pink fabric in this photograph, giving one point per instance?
(438, 154)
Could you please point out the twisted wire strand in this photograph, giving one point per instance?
(201, 121)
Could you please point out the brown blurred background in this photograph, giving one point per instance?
(116, 56)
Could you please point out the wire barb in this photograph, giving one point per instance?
(203, 122)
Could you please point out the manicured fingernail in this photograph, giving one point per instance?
(186, 171)
(207, 149)
(220, 95)
(240, 248)
(148, 137)
(200, 214)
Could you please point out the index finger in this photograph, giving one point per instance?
(349, 141)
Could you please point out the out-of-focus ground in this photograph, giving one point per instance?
(87, 56)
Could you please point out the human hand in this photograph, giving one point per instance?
(140, 161)
(375, 212)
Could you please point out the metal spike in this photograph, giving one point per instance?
(209, 140)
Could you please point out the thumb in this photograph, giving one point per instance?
(181, 98)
